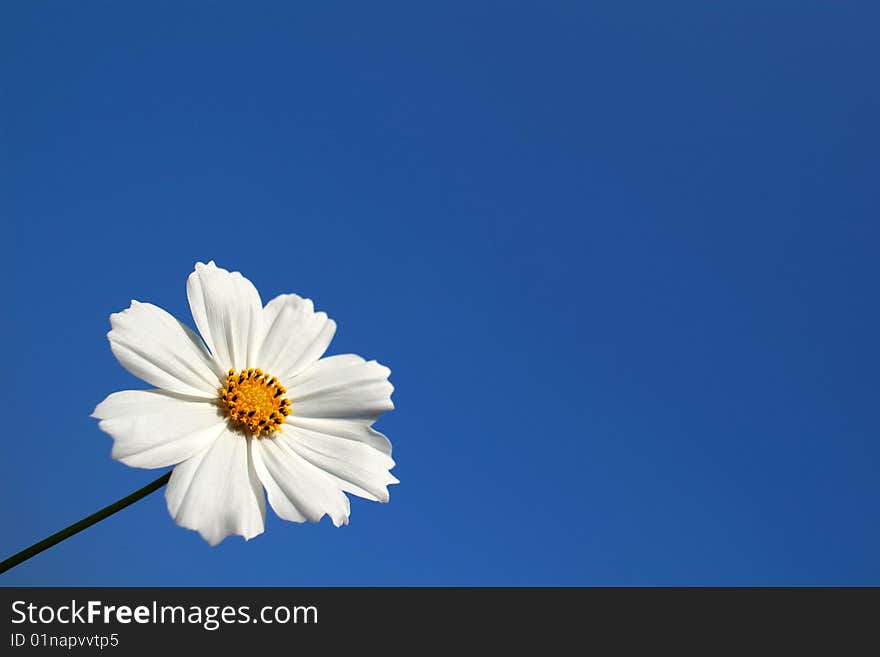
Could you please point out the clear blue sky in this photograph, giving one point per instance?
(621, 257)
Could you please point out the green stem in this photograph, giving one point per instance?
(77, 527)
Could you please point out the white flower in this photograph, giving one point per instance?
(258, 408)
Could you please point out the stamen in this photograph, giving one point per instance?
(255, 401)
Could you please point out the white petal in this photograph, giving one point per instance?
(356, 467)
(227, 309)
(155, 429)
(297, 490)
(344, 429)
(344, 387)
(295, 335)
(154, 346)
(217, 492)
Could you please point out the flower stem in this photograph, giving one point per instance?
(77, 527)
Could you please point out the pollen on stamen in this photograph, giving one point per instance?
(254, 401)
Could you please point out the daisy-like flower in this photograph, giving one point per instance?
(254, 406)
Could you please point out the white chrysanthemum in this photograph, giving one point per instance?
(259, 408)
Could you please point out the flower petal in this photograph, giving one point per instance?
(357, 468)
(297, 490)
(155, 429)
(217, 492)
(343, 387)
(227, 309)
(296, 336)
(344, 429)
(154, 346)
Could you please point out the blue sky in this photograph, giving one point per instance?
(620, 257)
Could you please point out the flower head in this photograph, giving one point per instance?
(249, 405)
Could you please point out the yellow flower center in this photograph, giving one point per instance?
(255, 401)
